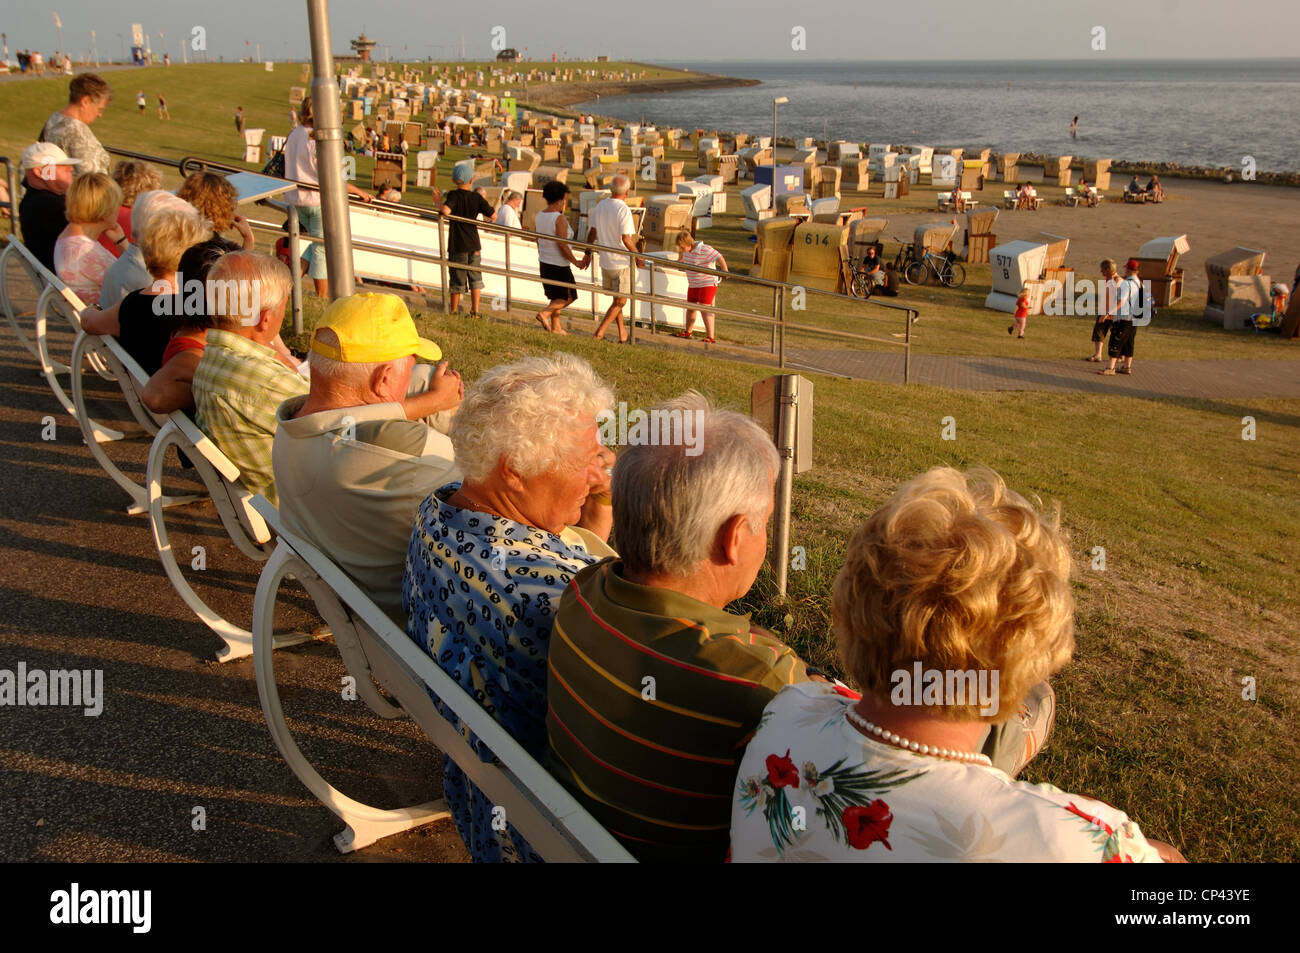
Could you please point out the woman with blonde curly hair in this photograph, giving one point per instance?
(91, 209)
(952, 609)
(216, 200)
(490, 556)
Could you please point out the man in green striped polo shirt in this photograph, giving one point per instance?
(653, 688)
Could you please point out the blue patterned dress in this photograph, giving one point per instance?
(480, 594)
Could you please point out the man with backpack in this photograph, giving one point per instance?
(1132, 307)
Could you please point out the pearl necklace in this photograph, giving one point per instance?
(898, 741)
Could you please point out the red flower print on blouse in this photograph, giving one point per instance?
(781, 771)
(863, 826)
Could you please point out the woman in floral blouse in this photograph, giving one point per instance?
(79, 260)
(953, 606)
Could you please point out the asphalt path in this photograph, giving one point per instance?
(81, 587)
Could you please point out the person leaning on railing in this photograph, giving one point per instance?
(69, 128)
(489, 557)
(555, 257)
(955, 577)
(300, 166)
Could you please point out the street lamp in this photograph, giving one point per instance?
(123, 42)
(778, 101)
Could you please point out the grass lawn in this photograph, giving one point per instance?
(1199, 526)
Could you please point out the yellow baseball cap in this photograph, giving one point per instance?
(372, 329)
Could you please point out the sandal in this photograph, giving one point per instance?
(682, 334)
(710, 340)
(1126, 370)
(1094, 360)
(1107, 372)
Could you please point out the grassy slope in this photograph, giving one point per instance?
(1199, 526)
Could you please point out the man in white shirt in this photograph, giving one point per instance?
(508, 213)
(1128, 309)
(612, 225)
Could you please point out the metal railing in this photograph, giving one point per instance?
(782, 293)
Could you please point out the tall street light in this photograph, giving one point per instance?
(778, 101)
(123, 42)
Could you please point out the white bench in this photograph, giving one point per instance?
(376, 651)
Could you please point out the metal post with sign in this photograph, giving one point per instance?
(783, 406)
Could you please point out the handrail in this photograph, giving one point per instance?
(778, 322)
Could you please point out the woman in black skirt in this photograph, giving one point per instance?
(554, 258)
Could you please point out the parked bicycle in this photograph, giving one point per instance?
(944, 267)
(864, 281)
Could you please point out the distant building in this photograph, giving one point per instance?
(363, 45)
(602, 59)
(509, 55)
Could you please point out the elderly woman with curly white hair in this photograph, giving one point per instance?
(490, 556)
(952, 608)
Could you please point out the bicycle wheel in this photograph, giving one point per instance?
(861, 286)
(954, 276)
(916, 273)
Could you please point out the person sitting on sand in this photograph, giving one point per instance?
(1155, 189)
(1135, 186)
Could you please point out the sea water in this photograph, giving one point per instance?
(1207, 112)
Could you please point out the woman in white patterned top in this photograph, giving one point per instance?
(79, 260)
(953, 605)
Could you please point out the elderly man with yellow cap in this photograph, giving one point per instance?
(350, 468)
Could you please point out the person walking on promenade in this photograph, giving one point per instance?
(1129, 308)
(1107, 293)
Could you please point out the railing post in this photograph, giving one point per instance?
(907, 350)
(787, 398)
(780, 313)
(775, 292)
(631, 304)
(507, 235)
(295, 267)
(442, 259)
(653, 292)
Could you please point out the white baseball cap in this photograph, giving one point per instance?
(41, 154)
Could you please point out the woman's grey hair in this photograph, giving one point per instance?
(509, 195)
(527, 414)
(671, 499)
(150, 203)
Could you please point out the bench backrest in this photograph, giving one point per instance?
(547, 815)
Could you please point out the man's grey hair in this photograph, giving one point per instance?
(670, 504)
(353, 375)
(527, 414)
(242, 284)
(619, 185)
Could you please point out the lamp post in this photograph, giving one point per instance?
(123, 42)
(94, 48)
(328, 133)
(778, 101)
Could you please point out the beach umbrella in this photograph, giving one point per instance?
(458, 120)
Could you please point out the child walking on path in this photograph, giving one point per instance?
(700, 288)
(1022, 314)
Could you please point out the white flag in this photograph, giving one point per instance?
(58, 24)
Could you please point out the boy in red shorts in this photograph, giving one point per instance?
(700, 287)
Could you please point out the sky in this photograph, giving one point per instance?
(681, 31)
